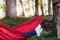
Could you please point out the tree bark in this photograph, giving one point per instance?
(22, 8)
(56, 16)
(11, 8)
(49, 7)
(36, 8)
(54, 9)
(7, 8)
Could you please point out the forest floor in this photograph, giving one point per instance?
(45, 35)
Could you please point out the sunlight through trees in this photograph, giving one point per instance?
(26, 8)
(2, 9)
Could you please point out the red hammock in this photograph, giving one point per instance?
(18, 33)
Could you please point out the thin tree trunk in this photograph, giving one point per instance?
(41, 6)
(49, 7)
(22, 8)
(36, 8)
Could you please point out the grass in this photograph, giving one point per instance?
(14, 21)
(48, 17)
(45, 35)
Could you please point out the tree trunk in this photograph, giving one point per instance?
(42, 6)
(49, 7)
(11, 8)
(56, 11)
(36, 8)
(22, 8)
(7, 7)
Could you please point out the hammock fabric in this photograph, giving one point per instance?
(20, 32)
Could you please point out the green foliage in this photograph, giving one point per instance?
(14, 21)
(45, 35)
(3, 7)
(49, 17)
(58, 4)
